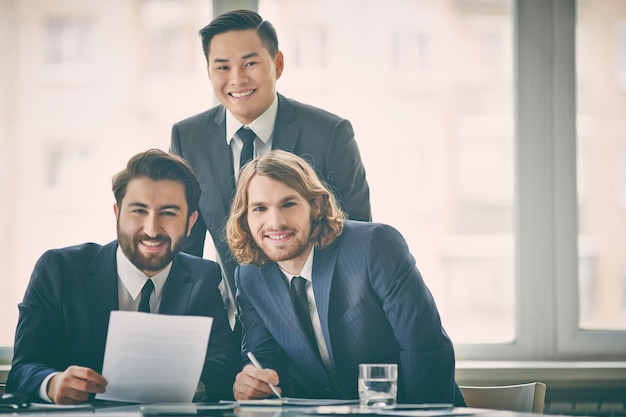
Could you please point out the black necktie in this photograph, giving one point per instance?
(301, 303)
(146, 291)
(247, 137)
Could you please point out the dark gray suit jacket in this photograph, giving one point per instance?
(64, 316)
(373, 306)
(324, 139)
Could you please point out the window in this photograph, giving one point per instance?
(486, 180)
(492, 133)
(67, 41)
(68, 50)
(67, 177)
(601, 65)
(435, 131)
(164, 24)
(412, 51)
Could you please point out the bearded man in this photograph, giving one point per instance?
(64, 316)
(318, 295)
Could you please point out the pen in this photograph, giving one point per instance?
(258, 365)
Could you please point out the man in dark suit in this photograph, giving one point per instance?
(244, 63)
(365, 300)
(64, 316)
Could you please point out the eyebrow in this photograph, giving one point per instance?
(165, 207)
(246, 56)
(282, 200)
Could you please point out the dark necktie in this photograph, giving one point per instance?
(301, 303)
(247, 137)
(146, 291)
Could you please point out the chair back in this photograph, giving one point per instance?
(528, 398)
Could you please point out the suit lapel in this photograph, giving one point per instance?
(286, 133)
(279, 296)
(287, 329)
(176, 291)
(101, 290)
(219, 159)
(323, 270)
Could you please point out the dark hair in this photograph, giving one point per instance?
(297, 174)
(156, 164)
(240, 20)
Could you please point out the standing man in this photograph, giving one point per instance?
(363, 299)
(64, 317)
(244, 62)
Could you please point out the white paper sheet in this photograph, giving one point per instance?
(154, 357)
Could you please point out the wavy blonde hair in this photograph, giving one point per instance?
(296, 173)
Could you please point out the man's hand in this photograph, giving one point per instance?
(253, 383)
(74, 385)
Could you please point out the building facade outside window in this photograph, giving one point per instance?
(492, 134)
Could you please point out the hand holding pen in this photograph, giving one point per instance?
(256, 363)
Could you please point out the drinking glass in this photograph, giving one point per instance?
(378, 385)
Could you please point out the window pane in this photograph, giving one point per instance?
(427, 86)
(67, 41)
(601, 73)
(89, 84)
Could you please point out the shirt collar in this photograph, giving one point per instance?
(263, 125)
(133, 279)
(307, 269)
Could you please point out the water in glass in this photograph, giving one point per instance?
(378, 385)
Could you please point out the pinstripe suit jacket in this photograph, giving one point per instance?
(374, 308)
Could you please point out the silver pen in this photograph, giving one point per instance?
(258, 365)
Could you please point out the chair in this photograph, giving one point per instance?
(522, 397)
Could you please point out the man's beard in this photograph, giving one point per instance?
(130, 247)
(297, 248)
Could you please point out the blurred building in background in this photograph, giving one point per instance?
(427, 84)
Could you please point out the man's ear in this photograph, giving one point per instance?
(316, 205)
(192, 220)
(116, 210)
(279, 63)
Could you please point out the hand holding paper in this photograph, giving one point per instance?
(154, 357)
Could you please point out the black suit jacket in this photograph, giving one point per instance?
(64, 316)
(324, 139)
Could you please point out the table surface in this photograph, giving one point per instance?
(236, 410)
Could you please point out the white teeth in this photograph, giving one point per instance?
(151, 244)
(278, 237)
(239, 95)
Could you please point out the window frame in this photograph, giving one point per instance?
(546, 233)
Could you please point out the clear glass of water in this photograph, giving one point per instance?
(378, 385)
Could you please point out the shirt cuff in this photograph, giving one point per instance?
(43, 388)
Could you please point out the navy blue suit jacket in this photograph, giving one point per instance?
(373, 306)
(64, 316)
(324, 139)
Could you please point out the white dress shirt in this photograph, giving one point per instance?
(262, 126)
(131, 280)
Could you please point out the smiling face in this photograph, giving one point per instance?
(152, 223)
(243, 73)
(279, 220)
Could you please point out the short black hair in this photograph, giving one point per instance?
(240, 20)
